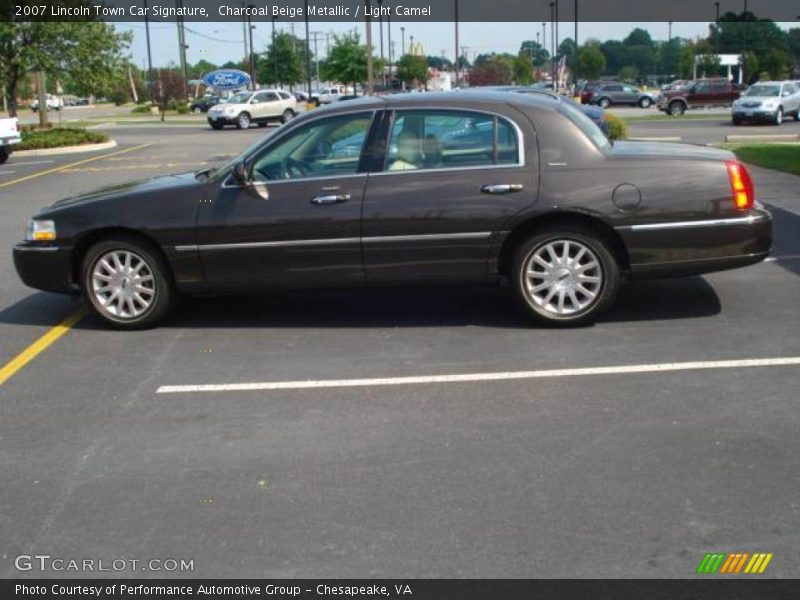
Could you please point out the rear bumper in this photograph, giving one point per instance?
(45, 268)
(696, 247)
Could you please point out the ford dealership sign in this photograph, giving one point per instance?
(227, 79)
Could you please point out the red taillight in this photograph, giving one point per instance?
(741, 184)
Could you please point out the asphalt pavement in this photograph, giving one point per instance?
(616, 475)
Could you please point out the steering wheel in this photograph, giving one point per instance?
(292, 168)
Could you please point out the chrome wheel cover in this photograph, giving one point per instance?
(562, 278)
(123, 285)
(244, 121)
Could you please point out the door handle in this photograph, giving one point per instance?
(502, 188)
(332, 199)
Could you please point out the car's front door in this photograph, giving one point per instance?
(265, 105)
(450, 179)
(630, 95)
(296, 223)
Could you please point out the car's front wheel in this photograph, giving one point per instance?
(565, 276)
(287, 116)
(243, 121)
(604, 103)
(4, 154)
(676, 109)
(126, 283)
(645, 103)
(778, 120)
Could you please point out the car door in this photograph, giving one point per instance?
(296, 223)
(629, 95)
(790, 99)
(700, 94)
(449, 179)
(267, 105)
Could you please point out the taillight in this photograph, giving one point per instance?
(741, 184)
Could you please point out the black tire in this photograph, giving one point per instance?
(287, 115)
(161, 283)
(677, 108)
(4, 154)
(243, 121)
(778, 120)
(604, 103)
(645, 103)
(217, 126)
(578, 237)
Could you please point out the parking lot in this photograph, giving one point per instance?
(334, 464)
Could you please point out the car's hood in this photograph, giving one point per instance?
(754, 99)
(668, 150)
(126, 189)
(224, 105)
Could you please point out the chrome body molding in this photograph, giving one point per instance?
(367, 240)
(748, 220)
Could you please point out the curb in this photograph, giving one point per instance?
(67, 149)
(777, 137)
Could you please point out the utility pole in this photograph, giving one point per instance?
(456, 52)
(252, 56)
(544, 36)
(389, 46)
(182, 46)
(274, 54)
(576, 59)
(552, 40)
(42, 96)
(380, 29)
(370, 66)
(403, 36)
(308, 52)
(716, 22)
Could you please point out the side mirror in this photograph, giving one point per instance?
(240, 173)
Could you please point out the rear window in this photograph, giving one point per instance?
(586, 125)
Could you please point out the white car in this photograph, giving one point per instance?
(768, 101)
(261, 106)
(53, 103)
(9, 135)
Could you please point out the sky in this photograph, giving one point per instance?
(221, 42)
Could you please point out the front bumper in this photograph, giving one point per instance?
(47, 268)
(754, 114)
(221, 119)
(698, 247)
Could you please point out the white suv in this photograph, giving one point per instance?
(261, 106)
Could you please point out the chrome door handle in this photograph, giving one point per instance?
(333, 199)
(502, 188)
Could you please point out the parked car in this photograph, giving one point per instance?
(9, 135)
(261, 106)
(595, 113)
(544, 202)
(703, 93)
(53, 103)
(621, 93)
(675, 85)
(768, 101)
(301, 97)
(331, 94)
(204, 104)
(82, 102)
(587, 89)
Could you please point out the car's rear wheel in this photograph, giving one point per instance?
(243, 121)
(126, 283)
(4, 154)
(287, 116)
(565, 276)
(676, 109)
(778, 120)
(604, 103)
(645, 103)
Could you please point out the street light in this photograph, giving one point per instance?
(455, 65)
(403, 36)
(308, 52)
(717, 24)
(250, 28)
(274, 53)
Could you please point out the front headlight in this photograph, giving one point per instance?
(40, 231)
(230, 110)
(770, 105)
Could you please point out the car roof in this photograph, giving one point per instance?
(486, 100)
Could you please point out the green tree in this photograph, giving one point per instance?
(629, 73)
(523, 70)
(440, 63)
(412, 70)
(283, 63)
(91, 54)
(592, 60)
(538, 54)
(200, 68)
(708, 65)
(492, 69)
(347, 61)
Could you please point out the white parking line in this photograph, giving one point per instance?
(471, 377)
(34, 162)
(6, 172)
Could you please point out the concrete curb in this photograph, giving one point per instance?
(67, 149)
(775, 137)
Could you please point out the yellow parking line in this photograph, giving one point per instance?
(69, 166)
(40, 345)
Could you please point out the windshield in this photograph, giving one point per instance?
(764, 90)
(586, 125)
(239, 98)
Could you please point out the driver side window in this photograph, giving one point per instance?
(327, 147)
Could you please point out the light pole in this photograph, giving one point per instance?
(455, 65)
(552, 40)
(403, 37)
(389, 45)
(149, 56)
(308, 52)
(274, 53)
(380, 33)
(370, 66)
(717, 24)
(575, 59)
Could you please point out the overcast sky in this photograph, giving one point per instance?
(221, 42)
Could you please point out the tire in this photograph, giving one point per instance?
(565, 301)
(676, 109)
(778, 120)
(737, 121)
(133, 310)
(287, 115)
(604, 103)
(645, 103)
(243, 121)
(4, 154)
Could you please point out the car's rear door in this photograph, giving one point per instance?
(450, 178)
(299, 224)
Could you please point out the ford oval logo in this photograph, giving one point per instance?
(226, 79)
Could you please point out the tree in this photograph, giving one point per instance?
(629, 73)
(347, 61)
(413, 70)
(200, 68)
(708, 65)
(439, 63)
(168, 87)
(492, 69)
(638, 37)
(592, 60)
(523, 70)
(538, 54)
(90, 53)
(283, 63)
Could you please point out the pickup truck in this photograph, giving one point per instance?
(9, 135)
(703, 93)
(53, 103)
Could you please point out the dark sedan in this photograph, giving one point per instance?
(202, 105)
(545, 203)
